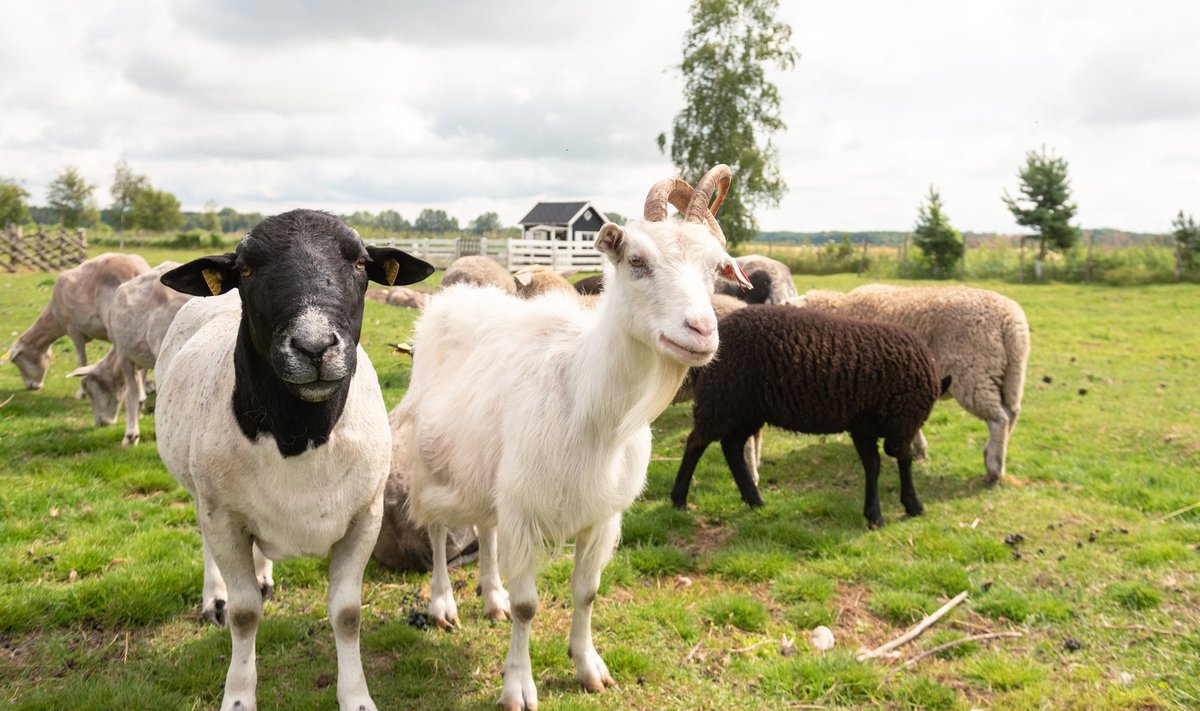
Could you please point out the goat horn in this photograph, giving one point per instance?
(698, 210)
(672, 190)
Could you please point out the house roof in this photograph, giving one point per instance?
(553, 213)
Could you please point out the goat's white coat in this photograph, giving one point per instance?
(530, 419)
(328, 497)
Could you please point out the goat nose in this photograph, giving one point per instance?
(702, 326)
(314, 346)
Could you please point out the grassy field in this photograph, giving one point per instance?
(100, 568)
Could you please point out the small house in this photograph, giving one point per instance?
(562, 221)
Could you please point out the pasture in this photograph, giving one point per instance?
(100, 567)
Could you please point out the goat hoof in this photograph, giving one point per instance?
(216, 613)
(991, 481)
(680, 505)
(131, 440)
(267, 589)
(875, 523)
(914, 510)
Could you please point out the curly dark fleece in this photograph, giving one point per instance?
(815, 374)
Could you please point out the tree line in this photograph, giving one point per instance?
(138, 205)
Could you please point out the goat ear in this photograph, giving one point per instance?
(611, 241)
(391, 267)
(206, 276)
(523, 278)
(731, 271)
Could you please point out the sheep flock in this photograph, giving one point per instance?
(526, 423)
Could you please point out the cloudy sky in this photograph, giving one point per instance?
(478, 105)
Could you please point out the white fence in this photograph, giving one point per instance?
(512, 253)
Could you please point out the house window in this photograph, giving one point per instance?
(587, 215)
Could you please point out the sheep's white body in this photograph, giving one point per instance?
(530, 419)
(298, 506)
(328, 497)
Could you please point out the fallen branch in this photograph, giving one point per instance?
(692, 653)
(960, 640)
(1144, 628)
(915, 631)
(751, 648)
(10, 397)
(1177, 512)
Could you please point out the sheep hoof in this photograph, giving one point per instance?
(267, 589)
(915, 510)
(875, 523)
(216, 613)
(991, 481)
(131, 440)
(680, 505)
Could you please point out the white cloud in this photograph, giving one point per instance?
(476, 106)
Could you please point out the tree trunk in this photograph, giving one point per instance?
(1041, 258)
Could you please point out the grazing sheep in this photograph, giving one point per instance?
(816, 374)
(78, 306)
(772, 281)
(979, 340)
(590, 286)
(142, 310)
(530, 418)
(483, 271)
(270, 414)
(537, 279)
(400, 296)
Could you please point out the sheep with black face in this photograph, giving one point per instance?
(271, 415)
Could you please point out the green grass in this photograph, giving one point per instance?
(100, 567)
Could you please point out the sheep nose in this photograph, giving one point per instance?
(703, 326)
(314, 346)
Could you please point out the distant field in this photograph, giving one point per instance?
(100, 569)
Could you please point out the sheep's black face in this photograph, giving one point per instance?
(301, 277)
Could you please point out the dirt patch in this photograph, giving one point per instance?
(706, 538)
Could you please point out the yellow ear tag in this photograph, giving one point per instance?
(391, 268)
(213, 278)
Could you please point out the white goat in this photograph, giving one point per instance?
(78, 305)
(530, 419)
(271, 415)
(142, 309)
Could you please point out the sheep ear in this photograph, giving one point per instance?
(206, 276)
(611, 241)
(392, 267)
(731, 271)
(523, 278)
(82, 371)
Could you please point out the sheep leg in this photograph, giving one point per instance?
(996, 449)
(908, 492)
(753, 454)
(920, 446)
(734, 448)
(495, 597)
(683, 480)
(133, 433)
(349, 559)
(230, 546)
(442, 608)
(593, 549)
(80, 342)
(868, 452)
(520, 693)
(215, 597)
(263, 569)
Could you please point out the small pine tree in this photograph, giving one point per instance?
(1187, 242)
(1044, 204)
(941, 244)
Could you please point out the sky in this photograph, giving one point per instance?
(472, 106)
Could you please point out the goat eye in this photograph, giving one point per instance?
(637, 262)
(361, 264)
(244, 270)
